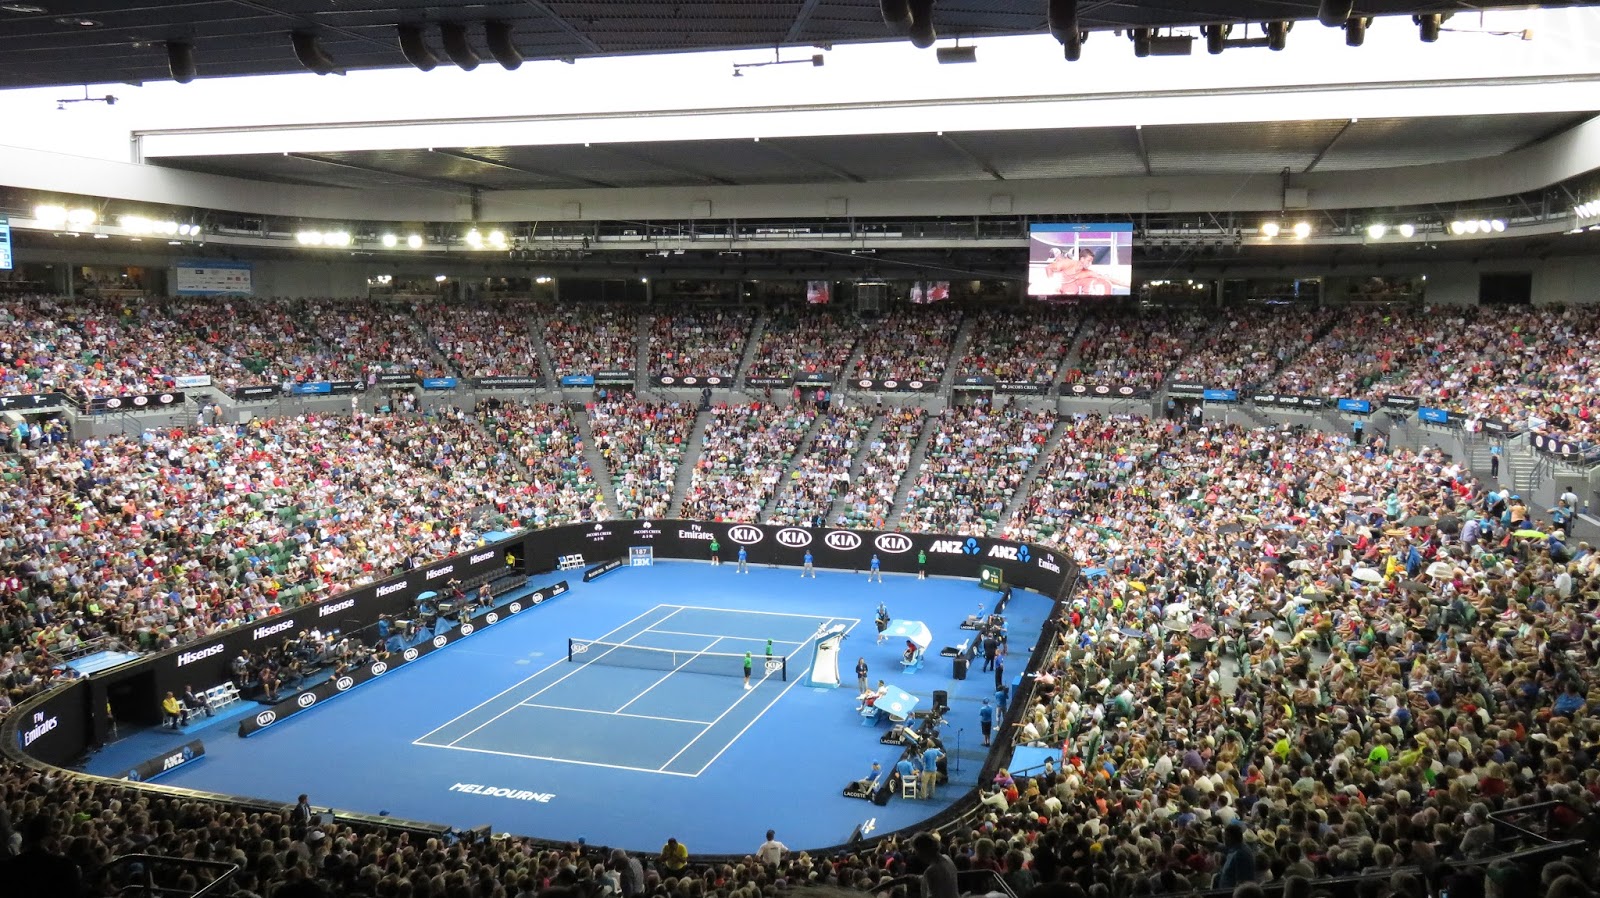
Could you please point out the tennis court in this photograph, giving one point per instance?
(663, 693)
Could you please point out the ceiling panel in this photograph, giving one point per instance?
(887, 157)
(1237, 146)
(1384, 143)
(125, 42)
(1083, 152)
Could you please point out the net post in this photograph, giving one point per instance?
(569, 648)
(783, 671)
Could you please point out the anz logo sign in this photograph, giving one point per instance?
(969, 546)
(746, 535)
(1011, 553)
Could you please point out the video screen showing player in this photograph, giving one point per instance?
(1080, 260)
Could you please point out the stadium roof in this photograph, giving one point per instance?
(59, 42)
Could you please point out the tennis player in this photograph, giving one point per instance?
(882, 622)
(748, 662)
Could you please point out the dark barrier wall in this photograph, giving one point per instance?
(61, 727)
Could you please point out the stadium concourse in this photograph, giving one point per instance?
(1297, 654)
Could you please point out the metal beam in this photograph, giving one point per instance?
(801, 158)
(1144, 150)
(1331, 141)
(565, 26)
(972, 157)
(522, 170)
(433, 183)
(801, 20)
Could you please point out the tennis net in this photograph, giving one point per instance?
(730, 664)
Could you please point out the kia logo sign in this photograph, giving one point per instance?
(466, 629)
(344, 683)
(409, 654)
(515, 607)
(538, 597)
(793, 537)
(378, 668)
(864, 384)
(491, 617)
(306, 699)
(842, 540)
(1126, 391)
(141, 401)
(266, 718)
(113, 403)
(691, 381)
(893, 543)
(891, 384)
(915, 385)
(746, 535)
(668, 380)
(439, 641)
(713, 380)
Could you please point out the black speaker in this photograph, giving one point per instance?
(960, 672)
(941, 699)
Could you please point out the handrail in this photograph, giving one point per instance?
(148, 886)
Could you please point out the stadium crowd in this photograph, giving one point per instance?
(1295, 655)
(807, 341)
(488, 339)
(700, 343)
(745, 450)
(1010, 346)
(584, 339)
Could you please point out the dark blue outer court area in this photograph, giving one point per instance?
(501, 729)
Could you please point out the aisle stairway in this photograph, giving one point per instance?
(856, 465)
(785, 482)
(686, 465)
(1051, 444)
(751, 344)
(536, 325)
(958, 351)
(641, 358)
(908, 477)
(591, 453)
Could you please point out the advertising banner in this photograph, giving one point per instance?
(138, 402)
(893, 385)
(6, 262)
(439, 383)
(1185, 388)
(692, 380)
(577, 380)
(1103, 391)
(613, 377)
(820, 380)
(311, 388)
(1022, 387)
(212, 277)
(974, 382)
(149, 770)
(1220, 395)
(782, 382)
(509, 383)
(22, 402)
(1355, 406)
(397, 378)
(190, 381)
(247, 394)
(1401, 402)
(1435, 415)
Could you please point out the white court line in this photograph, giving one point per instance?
(743, 611)
(539, 673)
(611, 713)
(555, 683)
(512, 754)
(717, 636)
(686, 663)
(759, 714)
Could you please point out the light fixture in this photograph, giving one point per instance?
(497, 37)
(1302, 230)
(414, 241)
(1407, 229)
(50, 214)
(1216, 38)
(180, 61)
(1270, 229)
(415, 48)
(389, 241)
(896, 15)
(1141, 41)
(336, 238)
(183, 230)
(1063, 15)
(474, 239)
(457, 45)
(1334, 13)
(1498, 225)
(922, 32)
(1459, 227)
(23, 9)
(439, 278)
(1278, 34)
(1484, 226)
(497, 239)
(1376, 230)
(957, 54)
(81, 217)
(1355, 31)
(644, 280)
(309, 238)
(1428, 26)
(77, 21)
(309, 51)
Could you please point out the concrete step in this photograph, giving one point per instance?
(691, 457)
(908, 479)
(873, 432)
(958, 349)
(785, 484)
(1040, 461)
(597, 462)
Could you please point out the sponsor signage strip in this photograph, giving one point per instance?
(507, 382)
(601, 569)
(784, 382)
(372, 670)
(895, 385)
(1103, 391)
(172, 760)
(692, 380)
(22, 402)
(137, 402)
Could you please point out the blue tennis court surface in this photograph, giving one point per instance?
(630, 748)
(664, 694)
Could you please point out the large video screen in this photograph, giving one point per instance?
(924, 292)
(1080, 259)
(819, 293)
